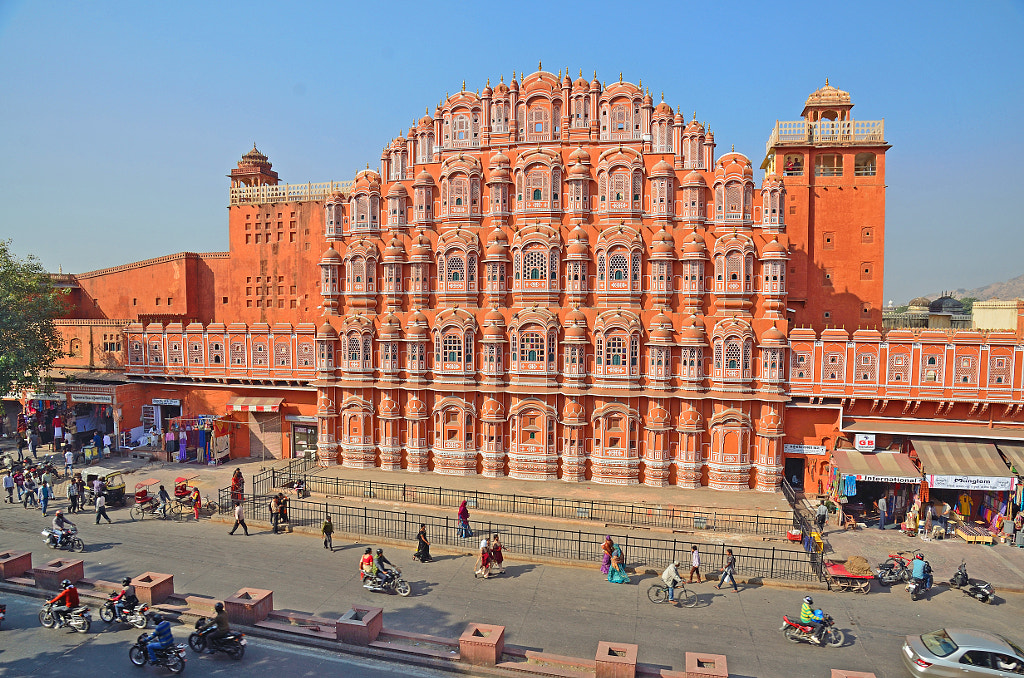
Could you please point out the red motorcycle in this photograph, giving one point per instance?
(796, 631)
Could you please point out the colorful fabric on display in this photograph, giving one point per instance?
(966, 504)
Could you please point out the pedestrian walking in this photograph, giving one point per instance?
(729, 571)
(617, 569)
(694, 564)
(45, 494)
(106, 444)
(9, 487)
(483, 561)
(881, 512)
(606, 560)
(422, 545)
(72, 493)
(275, 512)
(237, 485)
(101, 508)
(327, 529)
(821, 516)
(283, 510)
(465, 531)
(197, 501)
(69, 461)
(58, 432)
(165, 500)
(497, 558)
(33, 442)
(97, 442)
(21, 447)
(182, 444)
(239, 520)
(29, 498)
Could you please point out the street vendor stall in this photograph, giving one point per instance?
(862, 478)
(970, 477)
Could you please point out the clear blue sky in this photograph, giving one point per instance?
(119, 120)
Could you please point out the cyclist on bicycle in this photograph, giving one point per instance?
(671, 577)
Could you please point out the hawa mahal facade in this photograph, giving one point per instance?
(550, 279)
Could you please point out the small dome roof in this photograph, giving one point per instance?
(662, 169)
(579, 243)
(499, 159)
(828, 96)
(663, 242)
(658, 415)
(579, 171)
(661, 328)
(692, 332)
(573, 412)
(694, 127)
(421, 248)
(492, 409)
(331, 256)
(773, 336)
(395, 249)
(694, 178)
(689, 417)
(415, 407)
(337, 196)
(388, 407)
(663, 109)
(580, 83)
(774, 247)
(579, 155)
(426, 121)
(648, 100)
(946, 305)
(326, 332)
(397, 191)
(424, 178)
(694, 246)
(920, 302)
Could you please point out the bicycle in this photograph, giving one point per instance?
(658, 593)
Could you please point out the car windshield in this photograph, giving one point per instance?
(939, 643)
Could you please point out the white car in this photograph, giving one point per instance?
(962, 652)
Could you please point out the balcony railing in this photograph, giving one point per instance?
(827, 132)
(258, 195)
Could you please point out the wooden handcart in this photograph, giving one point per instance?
(839, 578)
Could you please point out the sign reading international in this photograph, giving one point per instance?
(899, 480)
(986, 483)
(804, 449)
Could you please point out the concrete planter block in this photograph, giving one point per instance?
(702, 665)
(153, 588)
(50, 576)
(616, 660)
(360, 625)
(482, 644)
(14, 563)
(249, 606)
(843, 673)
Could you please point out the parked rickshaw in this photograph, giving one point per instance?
(147, 504)
(183, 497)
(114, 481)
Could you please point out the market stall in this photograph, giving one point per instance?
(862, 478)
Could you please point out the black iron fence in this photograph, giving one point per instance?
(578, 545)
(638, 515)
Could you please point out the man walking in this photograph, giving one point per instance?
(821, 516)
(694, 564)
(45, 494)
(164, 499)
(239, 519)
(327, 530)
(9, 487)
(881, 512)
(72, 492)
(729, 571)
(69, 461)
(101, 508)
(33, 442)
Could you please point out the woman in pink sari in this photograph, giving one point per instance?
(606, 561)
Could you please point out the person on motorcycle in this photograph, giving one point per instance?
(65, 601)
(125, 599)
(60, 530)
(222, 624)
(812, 617)
(366, 567)
(383, 566)
(922, 571)
(160, 639)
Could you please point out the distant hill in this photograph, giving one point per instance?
(1007, 289)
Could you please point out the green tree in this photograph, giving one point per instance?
(29, 339)
(968, 303)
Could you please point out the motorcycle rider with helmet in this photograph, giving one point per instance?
(922, 571)
(223, 627)
(160, 639)
(65, 601)
(60, 530)
(813, 617)
(384, 566)
(125, 599)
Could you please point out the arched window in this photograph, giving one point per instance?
(535, 265)
(456, 269)
(619, 268)
(864, 165)
(460, 128)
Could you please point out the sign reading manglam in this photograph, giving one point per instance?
(984, 483)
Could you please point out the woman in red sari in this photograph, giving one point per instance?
(237, 486)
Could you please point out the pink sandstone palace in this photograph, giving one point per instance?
(550, 279)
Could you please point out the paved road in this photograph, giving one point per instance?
(556, 609)
(28, 649)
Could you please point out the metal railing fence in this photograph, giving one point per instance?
(639, 515)
(530, 540)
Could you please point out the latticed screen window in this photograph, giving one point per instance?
(456, 269)
(259, 355)
(636, 268)
(619, 267)
(616, 353)
(237, 352)
(531, 347)
(600, 267)
(535, 265)
(353, 348)
(282, 355)
(453, 348)
(732, 356)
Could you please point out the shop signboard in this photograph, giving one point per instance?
(92, 398)
(166, 401)
(804, 449)
(899, 480)
(864, 442)
(983, 483)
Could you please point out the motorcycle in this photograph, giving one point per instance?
(79, 618)
(916, 588)
(233, 644)
(173, 658)
(796, 631)
(68, 539)
(890, 573)
(3, 612)
(975, 588)
(393, 582)
(136, 616)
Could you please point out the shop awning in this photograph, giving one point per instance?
(962, 465)
(909, 428)
(876, 467)
(1015, 455)
(254, 404)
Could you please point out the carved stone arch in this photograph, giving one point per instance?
(535, 403)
